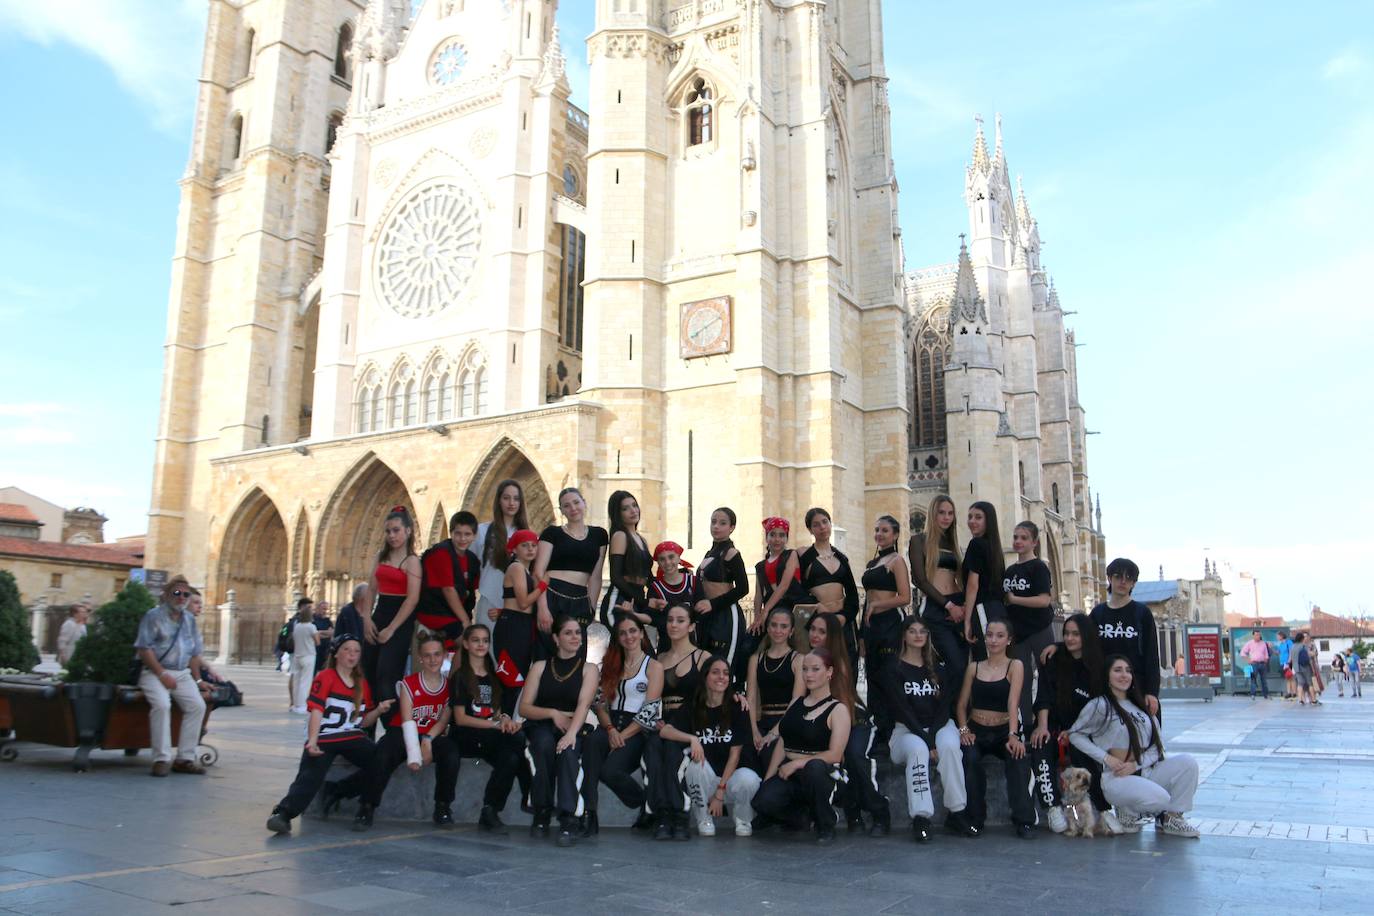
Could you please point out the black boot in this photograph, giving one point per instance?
(540, 825)
(279, 821)
(567, 830)
(645, 821)
(490, 821)
(664, 828)
(589, 826)
(920, 829)
(825, 836)
(363, 819)
(443, 816)
(682, 830)
(882, 823)
(855, 821)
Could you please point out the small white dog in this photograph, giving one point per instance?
(1079, 810)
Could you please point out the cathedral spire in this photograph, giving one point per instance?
(1054, 296)
(969, 307)
(981, 162)
(1023, 214)
(555, 69)
(998, 155)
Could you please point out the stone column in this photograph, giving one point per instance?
(227, 613)
(39, 621)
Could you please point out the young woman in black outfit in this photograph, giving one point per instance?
(887, 594)
(389, 628)
(555, 706)
(1068, 681)
(682, 662)
(987, 714)
(918, 691)
(826, 574)
(722, 580)
(569, 563)
(861, 792)
(777, 576)
(482, 725)
(804, 771)
(982, 575)
(515, 634)
(774, 680)
(630, 680)
(934, 558)
(631, 567)
(1029, 598)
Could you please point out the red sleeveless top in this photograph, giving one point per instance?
(391, 580)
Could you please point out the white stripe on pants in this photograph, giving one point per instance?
(1167, 786)
(911, 750)
(702, 780)
(188, 700)
(302, 674)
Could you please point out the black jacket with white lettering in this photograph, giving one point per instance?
(1130, 631)
(917, 700)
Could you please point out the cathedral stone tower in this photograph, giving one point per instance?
(743, 278)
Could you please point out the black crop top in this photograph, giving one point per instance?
(947, 560)
(508, 591)
(678, 688)
(878, 575)
(715, 568)
(571, 554)
(635, 563)
(560, 685)
(990, 695)
(802, 736)
(814, 573)
(775, 683)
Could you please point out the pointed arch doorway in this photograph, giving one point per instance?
(506, 461)
(350, 530)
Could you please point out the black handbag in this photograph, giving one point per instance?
(136, 666)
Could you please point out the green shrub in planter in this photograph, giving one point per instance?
(106, 650)
(16, 639)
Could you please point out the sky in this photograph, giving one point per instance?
(1202, 172)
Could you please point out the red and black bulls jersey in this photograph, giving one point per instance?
(342, 719)
(682, 593)
(426, 706)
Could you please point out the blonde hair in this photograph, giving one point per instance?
(935, 538)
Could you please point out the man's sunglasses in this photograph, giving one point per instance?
(180, 594)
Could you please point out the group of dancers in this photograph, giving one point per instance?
(696, 712)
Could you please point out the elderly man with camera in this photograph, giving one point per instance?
(169, 648)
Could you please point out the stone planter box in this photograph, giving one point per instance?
(40, 711)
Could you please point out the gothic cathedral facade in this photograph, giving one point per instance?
(408, 268)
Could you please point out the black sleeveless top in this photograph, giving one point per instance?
(990, 695)
(508, 591)
(775, 683)
(766, 573)
(678, 688)
(560, 685)
(878, 575)
(571, 554)
(802, 737)
(947, 560)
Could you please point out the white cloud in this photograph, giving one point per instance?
(28, 409)
(1349, 64)
(153, 46)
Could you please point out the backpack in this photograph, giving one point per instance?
(284, 638)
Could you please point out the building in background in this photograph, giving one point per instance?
(994, 388)
(1336, 634)
(1176, 603)
(408, 268)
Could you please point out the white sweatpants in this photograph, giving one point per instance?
(1167, 786)
(188, 700)
(302, 675)
(911, 750)
(702, 780)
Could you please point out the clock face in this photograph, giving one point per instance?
(705, 327)
(448, 64)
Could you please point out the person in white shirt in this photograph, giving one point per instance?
(304, 640)
(73, 628)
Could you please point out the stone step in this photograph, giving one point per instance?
(410, 796)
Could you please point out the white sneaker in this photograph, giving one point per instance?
(1055, 818)
(1175, 825)
(743, 827)
(1113, 825)
(706, 825)
(1128, 821)
(298, 710)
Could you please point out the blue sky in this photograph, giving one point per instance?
(1203, 175)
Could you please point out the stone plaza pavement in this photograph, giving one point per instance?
(1286, 808)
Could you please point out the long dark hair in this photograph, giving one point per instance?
(997, 564)
(613, 664)
(614, 511)
(1138, 700)
(464, 673)
(1091, 659)
(403, 514)
(703, 716)
(494, 547)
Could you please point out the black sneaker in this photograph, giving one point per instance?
(1025, 831)
(490, 821)
(278, 822)
(854, 820)
(645, 821)
(825, 837)
(682, 829)
(588, 826)
(567, 831)
(443, 816)
(882, 824)
(330, 799)
(363, 819)
(664, 830)
(540, 825)
(956, 822)
(920, 829)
